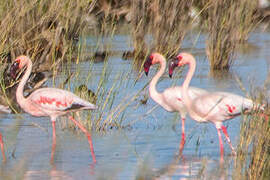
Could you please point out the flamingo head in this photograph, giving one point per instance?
(180, 60)
(151, 60)
(19, 63)
(173, 64)
(148, 63)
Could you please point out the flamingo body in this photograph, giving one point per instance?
(174, 100)
(50, 102)
(219, 106)
(43, 102)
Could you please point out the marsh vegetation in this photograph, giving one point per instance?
(76, 45)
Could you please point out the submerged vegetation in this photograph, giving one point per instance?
(52, 33)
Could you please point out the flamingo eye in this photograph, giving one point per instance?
(16, 64)
(13, 69)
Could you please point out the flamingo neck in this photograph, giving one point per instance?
(154, 94)
(186, 98)
(19, 92)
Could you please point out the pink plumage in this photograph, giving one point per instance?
(214, 107)
(50, 102)
(171, 99)
(57, 102)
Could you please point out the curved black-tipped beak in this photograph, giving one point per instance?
(147, 64)
(173, 63)
(13, 69)
(146, 73)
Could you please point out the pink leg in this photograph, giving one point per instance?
(88, 137)
(224, 129)
(183, 140)
(2, 147)
(221, 144)
(54, 142)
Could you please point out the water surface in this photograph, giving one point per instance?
(149, 146)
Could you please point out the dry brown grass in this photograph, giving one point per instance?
(44, 30)
(47, 31)
(228, 22)
(254, 136)
(166, 22)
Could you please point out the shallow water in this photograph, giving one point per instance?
(149, 147)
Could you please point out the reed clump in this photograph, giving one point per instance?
(253, 160)
(170, 21)
(255, 136)
(44, 30)
(222, 27)
(166, 22)
(228, 23)
(47, 31)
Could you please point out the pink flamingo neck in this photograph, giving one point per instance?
(155, 95)
(19, 93)
(192, 67)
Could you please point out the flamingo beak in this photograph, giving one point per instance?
(172, 65)
(147, 64)
(146, 72)
(13, 69)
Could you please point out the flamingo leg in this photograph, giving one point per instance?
(88, 135)
(54, 141)
(224, 129)
(221, 144)
(183, 139)
(2, 147)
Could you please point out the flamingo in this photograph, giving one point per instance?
(171, 99)
(214, 107)
(52, 102)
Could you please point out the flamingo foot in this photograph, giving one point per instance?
(2, 148)
(88, 135)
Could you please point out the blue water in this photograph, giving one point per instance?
(150, 143)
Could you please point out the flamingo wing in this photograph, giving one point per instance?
(220, 106)
(53, 99)
(235, 104)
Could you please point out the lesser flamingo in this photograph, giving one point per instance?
(214, 107)
(52, 102)
(171, 99)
